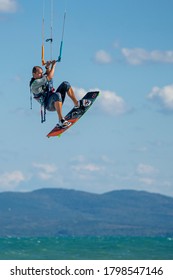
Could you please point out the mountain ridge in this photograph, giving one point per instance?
(57, 212)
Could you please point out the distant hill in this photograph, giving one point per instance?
(60, 212)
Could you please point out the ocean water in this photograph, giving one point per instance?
(87, 248)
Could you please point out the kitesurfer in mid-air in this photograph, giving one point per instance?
(41, 86)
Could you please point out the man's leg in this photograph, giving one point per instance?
(82, 102)
(64, 88)
(62, 122)
(71, 94)
(55, 104)
(58, 107)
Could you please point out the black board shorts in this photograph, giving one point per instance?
(59, 95)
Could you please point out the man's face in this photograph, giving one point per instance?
(38, 74)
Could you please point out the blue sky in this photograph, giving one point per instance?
(124, 48)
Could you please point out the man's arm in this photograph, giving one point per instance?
(50, 70)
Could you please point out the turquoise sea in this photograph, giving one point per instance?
(87, 248)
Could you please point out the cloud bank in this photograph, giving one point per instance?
(8, 6)
(103, 57)
(45, 171)
(135, 56)
(163, 97)
(108, 102)
(11, 179)
(138, 56)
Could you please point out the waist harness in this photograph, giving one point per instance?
(41, 98)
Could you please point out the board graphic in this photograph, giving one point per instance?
(74, 115)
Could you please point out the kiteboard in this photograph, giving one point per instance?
(74, 115)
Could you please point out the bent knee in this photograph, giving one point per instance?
(66, 86)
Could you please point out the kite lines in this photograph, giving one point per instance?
(51, 39)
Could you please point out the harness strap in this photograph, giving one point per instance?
(32, 79)
(43, 114)
(43, 109)
(41, 98)
(30, 99)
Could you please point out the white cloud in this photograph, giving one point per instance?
(8, 6)
(164, 96)
(146, 174)
(85, 171)
(108, 101)
(45, 171)
(11, 179)
(137, 56)
(81, 164)
(111, 103)
(146, 169)
(79, 92)
(87, 167)
(103, 57)
(147, 181)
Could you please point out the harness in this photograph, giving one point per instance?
(41, 98)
